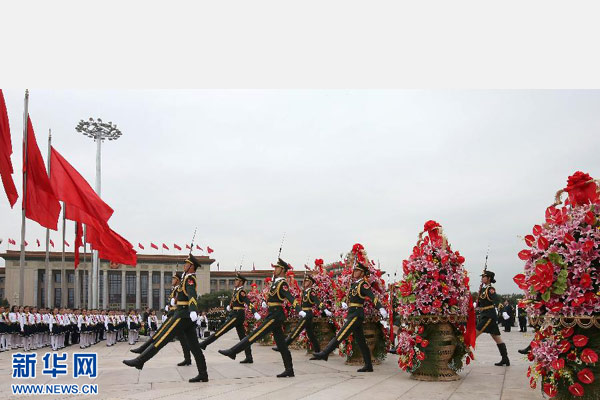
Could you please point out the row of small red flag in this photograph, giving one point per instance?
(141, 246)
(44, 191)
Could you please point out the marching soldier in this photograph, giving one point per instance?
(278, 293)
(309, 299)
(359, 291)
(170, 310)
(182, 323)
(488, 318)
(236, 317)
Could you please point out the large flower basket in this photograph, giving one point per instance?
(289, 325)
(575, 344)
(376, 341)
(324, 331)
(440, 334)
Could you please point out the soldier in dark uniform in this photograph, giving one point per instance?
(278, 292)
(488, 317)
(236, 317)
(170, 310)
(309, 299)
(183, 322)
(359, 291)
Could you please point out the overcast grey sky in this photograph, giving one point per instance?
(328, 168)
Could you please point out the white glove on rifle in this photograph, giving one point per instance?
(264, 305)
(228, 308)
(383, 312)
(328, 313)
(193, 316)
(256, 316)
(344, 306)
(302, 314)
(173, 301)
(505, 315)
(167, 308)
(385, 324)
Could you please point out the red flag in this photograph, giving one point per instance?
(176, 246)
(41, 204)
(111, 246)
(78, 241)
(51, 243)
(38, 242)
(140, 246)
(154, 246)
(10, 241)
(67, 244)
(165, 246)
(470, 334)
(209, 249)
(26, 243)
(187, 246)
(199, 248)
(83, 204)
(6, 168)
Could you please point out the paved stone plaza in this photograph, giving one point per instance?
(162, 379)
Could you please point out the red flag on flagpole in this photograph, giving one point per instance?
(51, 243)
(83, 204)
(199, 248)
(187, 246)
(78, 241)
(165, 246)
(153, 246)
(209, 250)
(140, 246)
(26, 243)
(67, 244)
(111, 246)
(41, 204)
(38, 242)
(6, 168)
(176, 246)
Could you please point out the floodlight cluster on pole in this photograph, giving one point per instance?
(99, 131)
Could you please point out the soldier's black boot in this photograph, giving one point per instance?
(526, 350)
(185, 363)
(324, 355)
(504, 354)
(287, 363)
(232, 352)
(139, 361)
(140, 350)
(248, 359)
(288, 341)
(367, 368)
(201, 365)
(207, 341)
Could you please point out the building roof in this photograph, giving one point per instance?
(70, 256)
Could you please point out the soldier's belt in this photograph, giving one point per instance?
(172, 308)
(355, 305)
(274, 304)
(306, 308)
(486, 308)
(183, 303)
(238, 308)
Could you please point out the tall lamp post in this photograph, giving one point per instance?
(99, 131)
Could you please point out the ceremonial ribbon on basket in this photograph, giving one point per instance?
(470, 333)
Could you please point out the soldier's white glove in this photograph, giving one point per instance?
(228, 308)
(173, 301)
(344, 306)
(383, 313)
(328, 313)
(257, 316)
(505, 315)
(264, 305)
(302, 314)
(385, 324)
(167, 308)
(193, 316)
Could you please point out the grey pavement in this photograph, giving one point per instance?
(162, 379)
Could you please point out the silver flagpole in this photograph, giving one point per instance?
(22, 259)
(48, 281)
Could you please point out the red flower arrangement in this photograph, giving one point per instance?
(434, 283)
(561, 279)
